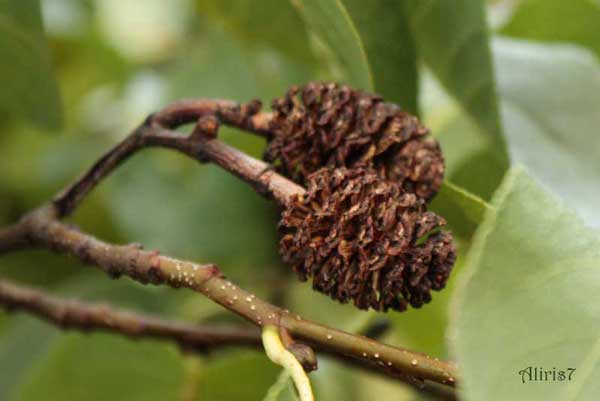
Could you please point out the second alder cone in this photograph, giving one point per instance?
(366, 240)
(326, 124)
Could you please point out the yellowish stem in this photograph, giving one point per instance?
(281, 356)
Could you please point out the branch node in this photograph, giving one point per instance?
(207, 127)
(213, 272)
(303, 353)
(251, 108)
(136, 245)
(240, 115)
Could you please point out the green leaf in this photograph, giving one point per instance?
(462, 210)
(106, 367)
(282, 389)
(382, 27)
(245, 375)
(529, 296)
(574, 21)
(305, 301)
(274, 23)
(29, 90)
(332, 24)
(202, 219)
(235, 71)
(23, 342)
(333, 381)
(371, 43)
(26, 341)
(452, 38)
(470, 158)
(550, 96)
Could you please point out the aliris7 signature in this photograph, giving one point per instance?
(539, 374)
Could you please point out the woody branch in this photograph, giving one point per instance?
(42, 228)
(83, 316)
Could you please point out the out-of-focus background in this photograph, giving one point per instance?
(117, 60)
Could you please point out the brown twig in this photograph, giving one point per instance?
(152, 133)
(12, 238)
(86, 317)
(41, 228)
(72, 314)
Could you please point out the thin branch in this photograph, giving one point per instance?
(13, 238)
(69, 198)
(41, 228)
(203, 146)
(152, 133)
(72, 314)
(83, 316)
(247, 117)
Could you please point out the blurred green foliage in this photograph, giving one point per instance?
(557, 21)
(32, 92)
(486, 99)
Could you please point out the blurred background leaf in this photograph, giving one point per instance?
(393, 68)
(452, 38)
(574, 21)
(550, 96)
(462, 210)
(254, 376)
(333, 26)
(270, 24)
(34, 350)
(101, 366)
(31, 92)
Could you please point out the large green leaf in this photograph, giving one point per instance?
(330, 21)
(469, 155)
(282, 389)
(530, 297)
(28, 87)
(551, 128)
(26, 342)
(550, 96)
(384, 33)
(274, 23)
(202, 219)
(235, 71)
(371, 44)
(452, 38)
(106, 367)
(557, 21)
(243, 375)
(462, 210)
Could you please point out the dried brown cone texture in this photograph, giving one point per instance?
(325, 124)
(366, 240)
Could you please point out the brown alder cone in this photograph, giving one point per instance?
(365, 239)
(326, 124)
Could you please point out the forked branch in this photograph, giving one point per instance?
(42, 228)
